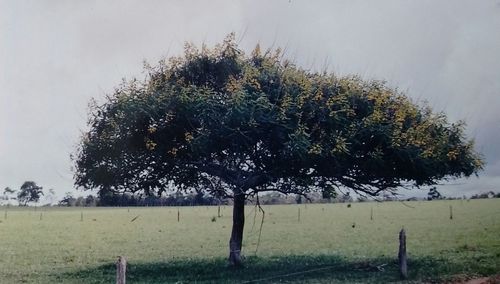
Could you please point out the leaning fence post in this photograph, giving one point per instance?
(403, 269)
(121, 270)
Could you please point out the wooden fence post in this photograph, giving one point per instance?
(81, 216)
(178, 215)
(451, 212)
(121, 270)
(371, 214)
(298, 215)
(403, 269)
(218, 211)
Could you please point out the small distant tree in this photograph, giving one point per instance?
(91, 201)
(434, 194)
(6, 193)
(29, 192)
(329, 195)
(298, 199)
(68, 200)
(9, 193)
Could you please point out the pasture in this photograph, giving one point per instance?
(330, 243)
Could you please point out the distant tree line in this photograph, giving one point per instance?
(433, 194)
(30, 192)
(127, 199)
(489, 194)
(199, 199)
(194, 199)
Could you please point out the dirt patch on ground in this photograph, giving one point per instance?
(483, 280)
(464, 279)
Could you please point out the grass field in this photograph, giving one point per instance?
(331, 243)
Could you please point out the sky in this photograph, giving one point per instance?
(55, 56)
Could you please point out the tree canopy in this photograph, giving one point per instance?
(234, 125)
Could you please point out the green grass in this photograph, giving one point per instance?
(323, 247)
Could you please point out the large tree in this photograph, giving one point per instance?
(235, 125)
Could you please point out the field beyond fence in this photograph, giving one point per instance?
(325, 243)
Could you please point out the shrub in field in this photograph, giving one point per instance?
(234, 125)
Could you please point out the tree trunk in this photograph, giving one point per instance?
(237, 230)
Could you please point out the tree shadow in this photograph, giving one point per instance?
(283, 269)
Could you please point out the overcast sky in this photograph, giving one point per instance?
(57, 55)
